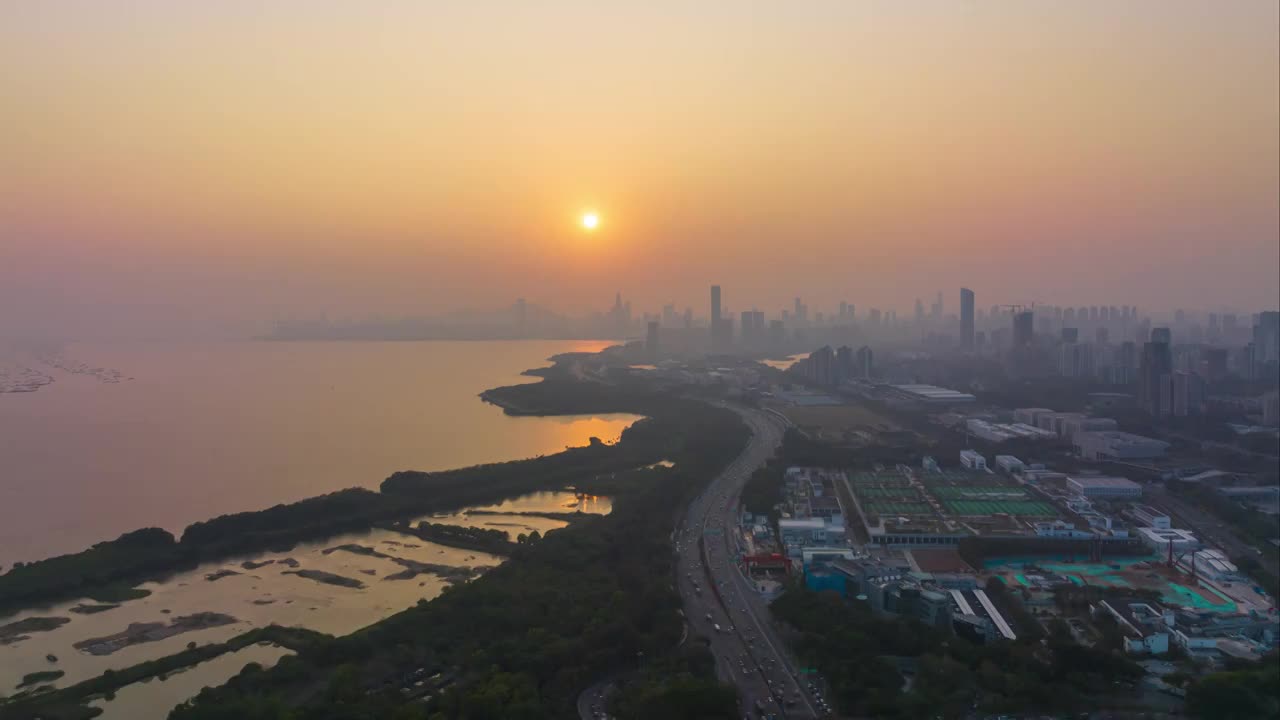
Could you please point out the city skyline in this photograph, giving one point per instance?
(246, 164)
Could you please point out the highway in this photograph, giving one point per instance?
(719, 602)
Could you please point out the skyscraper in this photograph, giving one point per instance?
(1162, 335)
(862, 362)
(1023, 329)
(715, 306)
(651, 339)
(1156, 363)
(966, 318)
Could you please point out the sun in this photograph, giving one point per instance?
(590, 221)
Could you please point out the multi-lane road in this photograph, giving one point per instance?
(719, 601)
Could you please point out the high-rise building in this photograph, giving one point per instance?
(844, 363)
(1023, 329)
(1162, 335)
(1156, 362)
(862, 362)
(1076, 360)
(822, 362)
(777, 333)
(966, 318)
(651, 339)
(1070, 334)
(1266, 337)
(715, 305)
(1181, 394)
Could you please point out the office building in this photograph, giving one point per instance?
(966, 318)
(651, 339)
(1156, 363)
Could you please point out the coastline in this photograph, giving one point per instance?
(155, 554)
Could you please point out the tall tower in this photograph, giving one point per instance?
(1023, 329)
(966, 318)
(715, 306)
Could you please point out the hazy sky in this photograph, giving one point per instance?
(217, 165)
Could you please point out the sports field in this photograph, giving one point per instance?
(898, 493)
(993, 492)
(868, 479)
(900, 508)
(1025, 508)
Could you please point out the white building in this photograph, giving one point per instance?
(1030, 415)
(1159, 540)
(1150, 517)
(1075, 425)
(1210, 563)
(1009, 464)
(1146, 628)
(1060, 529)
(973, 460)
(1116, 445)
(1099, 486)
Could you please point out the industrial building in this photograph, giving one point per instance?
(1009, 464)
(1150, 517)
(1116, 445)
(973, 460)
(1210, 563)
(1175, 539)
(1030, 416)
(933, 395)
(1001, 432)
(1104, 487)
(1145, 625)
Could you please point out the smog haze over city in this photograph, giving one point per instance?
(621, 360)
(210, 168)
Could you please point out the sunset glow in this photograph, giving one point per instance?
(388, 158)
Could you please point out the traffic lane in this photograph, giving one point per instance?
(763, 629)
(718, 493)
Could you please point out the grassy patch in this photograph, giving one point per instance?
(43, 676)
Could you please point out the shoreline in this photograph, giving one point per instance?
(314, 518)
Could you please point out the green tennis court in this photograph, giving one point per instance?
(896, 493)
(899, 508)
(978, 493)
(1027, 508)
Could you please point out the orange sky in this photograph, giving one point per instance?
(224, 164)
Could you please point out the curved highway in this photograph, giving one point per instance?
(719, 602)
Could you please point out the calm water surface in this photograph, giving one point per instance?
(192, 431)
(260, 596)
(153, 699)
